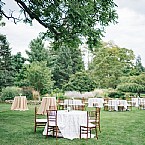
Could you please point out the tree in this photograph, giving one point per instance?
(37, 51)
(6, 70)
(138, 66)
(68, 21)
(17, 62)
(65, 62)
(20, 78)
(109, 63)
(18, 69)
(1, 22)
(134, 84)
(80, 81)
(39, 77)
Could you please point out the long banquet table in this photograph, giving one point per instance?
(69, 123)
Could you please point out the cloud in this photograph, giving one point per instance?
(20, 35)
(134, 5)
(130, 31)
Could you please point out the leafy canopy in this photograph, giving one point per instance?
(108, 64)
(80, 81)
(68, 20)
(134, 84)
(65, 62)
(39, 77)
(37, 51)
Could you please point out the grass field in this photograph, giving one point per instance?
(118, 128)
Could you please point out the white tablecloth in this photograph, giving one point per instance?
(69, 123)
(116, 103)
(137, 101)
(100, 102)
(72, 103)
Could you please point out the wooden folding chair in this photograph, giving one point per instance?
(52, 123)
(38, 120)
(88, 126)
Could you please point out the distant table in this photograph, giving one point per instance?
(116, 103)
(99, 101)
(137, 101)
(19, 103)
(73, 103)
(46, 103)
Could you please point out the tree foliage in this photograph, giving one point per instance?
(81, 81)
(65, 62)
(37, 51)
(39, 77)
(17, 62)
(6, 69)
(20, 78)
(138, 68)
(134, 84)
(68, 21)
(109, 63)
(9, 93)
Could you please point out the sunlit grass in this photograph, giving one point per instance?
(118, 128)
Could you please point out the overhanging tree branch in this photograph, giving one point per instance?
(10, 17)
(32, 15)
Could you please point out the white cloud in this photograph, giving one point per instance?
(129, 32)
(19, 35)
(135, 5)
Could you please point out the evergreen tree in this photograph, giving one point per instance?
(65, 62)
(6, 70)
(37, 51)
(139, 67)
(18, 67)
(18, 61)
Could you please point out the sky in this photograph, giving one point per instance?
(128, 33)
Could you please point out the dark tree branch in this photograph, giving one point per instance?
(32, 15)
(10, 17)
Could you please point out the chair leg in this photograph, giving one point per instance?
(35, 128)
(80, 132)
(87, 133)
(56, 131)
(99, 128)
(47, 132)
(96, 133)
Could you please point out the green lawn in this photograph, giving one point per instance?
(118, 128)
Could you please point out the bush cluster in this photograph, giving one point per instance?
(116, 94)
(9, 93)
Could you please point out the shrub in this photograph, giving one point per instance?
(27, 93)
(9, 93)
(116, 94)
(81, 81)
